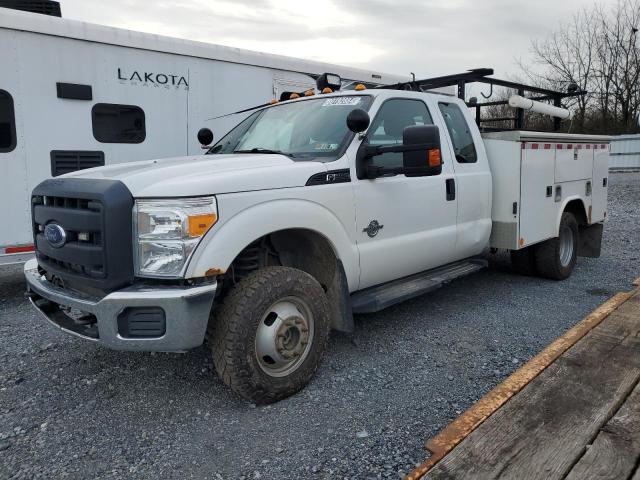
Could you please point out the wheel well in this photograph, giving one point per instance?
(576, 207)
(304, 250)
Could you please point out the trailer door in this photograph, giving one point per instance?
(216, 90)
(291, 82)
(14, 215)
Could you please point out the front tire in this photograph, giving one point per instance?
(269, 335)
(556, 257)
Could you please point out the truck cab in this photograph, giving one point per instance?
(306, 212)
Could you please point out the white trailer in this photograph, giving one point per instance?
(75, 95)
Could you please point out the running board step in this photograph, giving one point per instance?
(376, 298)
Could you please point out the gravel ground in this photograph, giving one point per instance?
(69, 409)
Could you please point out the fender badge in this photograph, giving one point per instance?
(373, 228)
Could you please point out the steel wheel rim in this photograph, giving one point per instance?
(566, 245)
(284, 337)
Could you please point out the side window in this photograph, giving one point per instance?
(113, 123)
(387, 127)
(463, 146)
(7, 123)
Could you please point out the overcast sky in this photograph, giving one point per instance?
(428, 37)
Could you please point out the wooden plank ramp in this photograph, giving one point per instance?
(572, 412)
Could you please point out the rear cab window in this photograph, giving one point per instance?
(463, 146)
(7, 123)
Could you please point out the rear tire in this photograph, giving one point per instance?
(269, 335)
(556, 257)
(523, 261)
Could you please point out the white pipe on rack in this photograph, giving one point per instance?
(516, 101)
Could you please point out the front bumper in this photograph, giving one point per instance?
(186, 312)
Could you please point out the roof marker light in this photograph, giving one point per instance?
(293, 96)
(327, 90)
(273, 101)
(308, 93)
(359, 87)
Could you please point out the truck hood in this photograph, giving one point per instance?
(207, 174)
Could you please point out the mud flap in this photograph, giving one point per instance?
(340, 302)
(590, 240)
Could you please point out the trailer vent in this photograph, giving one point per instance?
(44, 7)
(67, 161)
(74, 91)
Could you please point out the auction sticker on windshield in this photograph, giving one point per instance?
(326, 146)
(330, 102)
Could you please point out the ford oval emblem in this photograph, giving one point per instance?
(55, 235)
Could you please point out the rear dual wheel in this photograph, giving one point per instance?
(269, 335)
(554, 258)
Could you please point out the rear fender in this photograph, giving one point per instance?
(561, 210)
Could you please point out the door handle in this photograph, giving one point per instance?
(451, 189)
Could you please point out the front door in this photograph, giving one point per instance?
(404, 224)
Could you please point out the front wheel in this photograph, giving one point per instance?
(556, 257)
(270, 333)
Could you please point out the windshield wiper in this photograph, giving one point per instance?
(263, 150)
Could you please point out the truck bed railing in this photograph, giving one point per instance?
(482, 75)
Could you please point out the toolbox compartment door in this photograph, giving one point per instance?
(538, 207)
(600, 183)
(574, 163)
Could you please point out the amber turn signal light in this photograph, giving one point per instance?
(200, 224)
(434, 158)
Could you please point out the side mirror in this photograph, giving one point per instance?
(205, 136)
(358, 120)
(425, 159)
(420, 150)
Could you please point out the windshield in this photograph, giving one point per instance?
(311, 128)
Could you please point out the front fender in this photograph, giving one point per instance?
(224, 242)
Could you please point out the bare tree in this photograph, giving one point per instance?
(597, 50)
(567, 56)
(624, 83)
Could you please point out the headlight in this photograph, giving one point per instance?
(167, 232)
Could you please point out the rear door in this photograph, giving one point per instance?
(472, 177)
(404, 225)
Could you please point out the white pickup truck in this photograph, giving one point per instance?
(308, 211)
